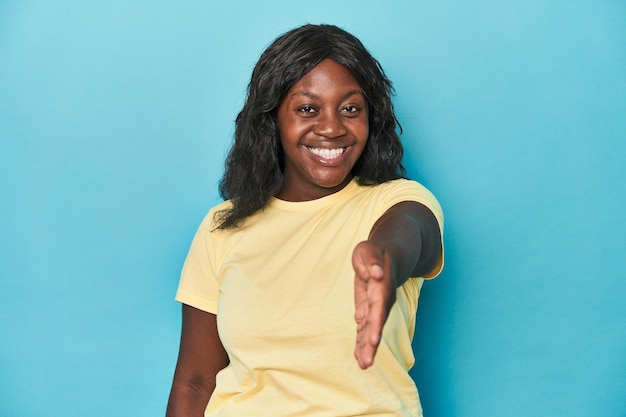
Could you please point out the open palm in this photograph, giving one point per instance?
(374, 294)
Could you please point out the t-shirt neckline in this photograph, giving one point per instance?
(313, 204)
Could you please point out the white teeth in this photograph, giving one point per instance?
(327, 153)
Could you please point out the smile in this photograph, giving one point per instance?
(327, 153)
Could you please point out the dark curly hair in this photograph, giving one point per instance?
(254, 166)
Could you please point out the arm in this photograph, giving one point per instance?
(404, 242)
(200, 358)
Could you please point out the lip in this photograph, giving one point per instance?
(328, 161)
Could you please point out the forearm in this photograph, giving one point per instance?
(200, 358)
(402, 255)
(409, 234)
(187, 400)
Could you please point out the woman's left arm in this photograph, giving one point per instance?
(404, 242)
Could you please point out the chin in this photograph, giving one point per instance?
(333, 182)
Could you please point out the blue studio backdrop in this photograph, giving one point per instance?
(114, 122)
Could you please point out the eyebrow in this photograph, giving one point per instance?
(315, 96)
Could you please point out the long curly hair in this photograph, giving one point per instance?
(254, 166)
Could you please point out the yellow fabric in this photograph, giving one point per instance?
(282, 289)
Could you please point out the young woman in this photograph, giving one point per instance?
(300, 291)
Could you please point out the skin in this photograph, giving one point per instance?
(323, 126)
(325, 110)
(201, 356)
(404, 242)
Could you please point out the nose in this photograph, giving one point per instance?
(330, 125)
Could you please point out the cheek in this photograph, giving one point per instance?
(364, 123)
(364, 130)
(290, 131)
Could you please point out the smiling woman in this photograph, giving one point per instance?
(312, 267)
(323, 128)
(255, 164)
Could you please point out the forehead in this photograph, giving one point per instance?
(328, 75)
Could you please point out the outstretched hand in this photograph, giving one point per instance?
(374, 295)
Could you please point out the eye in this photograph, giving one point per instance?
(351, 110)
(306, 110)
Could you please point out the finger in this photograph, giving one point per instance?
(368, 260)
(359, 261)
(370, 316)
(375, 317)
(361, 271)
(364, 349)
(365, 356)
(375, 271)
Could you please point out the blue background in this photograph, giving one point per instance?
(114, 121)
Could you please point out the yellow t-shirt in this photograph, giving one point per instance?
(282, 289)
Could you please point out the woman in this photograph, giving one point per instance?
(320, 242)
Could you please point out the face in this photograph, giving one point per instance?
(323, 126)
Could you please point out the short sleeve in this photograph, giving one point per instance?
(199, 284)
(407, 190)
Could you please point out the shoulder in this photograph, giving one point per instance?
(402, 184)
(392, 192)
(403, 190)
(210, 222)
